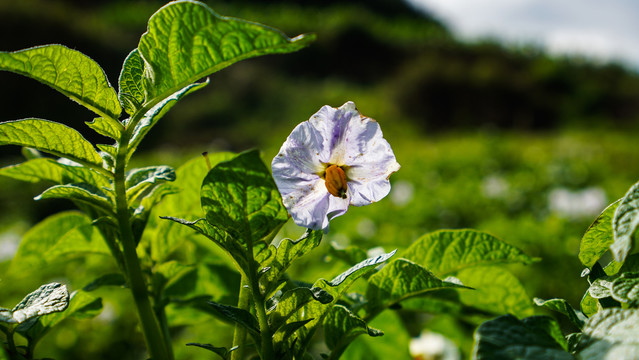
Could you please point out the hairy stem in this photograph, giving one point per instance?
(239, 334)
(157, 344)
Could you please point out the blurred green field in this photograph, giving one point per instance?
(509, 184)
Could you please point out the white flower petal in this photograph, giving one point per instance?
(307, 202)
(332, 136)
(333, 123)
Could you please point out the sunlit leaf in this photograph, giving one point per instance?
(85, 193)
(50, 137)
(399, 280)
(610, 334)
(588, 305)
(562, 306)
(142, 179)
(47, 299)
(56, 238)
(506, 338)
(446, 252)
(67, 71)
(131, 92)
(239, 197)
(496, 290)
(598, 237)
(105, 128)
(187, 41)
(624, 223)
(80, 306)
(625, 288)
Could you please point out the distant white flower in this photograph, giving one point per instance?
(335, 159)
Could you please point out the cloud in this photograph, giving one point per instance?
(603, 30)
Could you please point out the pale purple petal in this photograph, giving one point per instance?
(308, 204)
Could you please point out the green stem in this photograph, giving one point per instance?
(156, 344)
(10, 342)
(267, 352)
(239, 334)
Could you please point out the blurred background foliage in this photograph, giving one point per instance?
(507, 140)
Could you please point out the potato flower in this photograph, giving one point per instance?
(335, 159)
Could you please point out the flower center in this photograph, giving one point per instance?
(335, 181)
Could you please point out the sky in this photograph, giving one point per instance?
(604, 30)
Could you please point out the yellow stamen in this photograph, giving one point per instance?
(336, 181)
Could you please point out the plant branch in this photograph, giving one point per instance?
(157, 344)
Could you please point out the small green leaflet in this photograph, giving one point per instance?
(50, 137)
(131, 94)
(69, 72)
(598, 237)
(560, 305)
(49, 298)
(85, 193)
(341, 326)
(624, 223)
(187, 41)
(281, 257)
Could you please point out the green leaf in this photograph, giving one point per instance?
(56, 238)
(67, 71)
(105, 128)
(131, 92)
(624, 223)
(399, 280)
(84, 193)
(598, 237)
(221, 351)
(589, 305)
(446, 252)
(611, 334)
(152, 116)
(625, 288)
(283, 255)
(562, 306)
(506, 337)
(142, 179)
(239, 197)
(341, 327)
(50, 137)
(236, 315)
(496, 291)
(187, 41)
(49, 298)
(45, 169)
